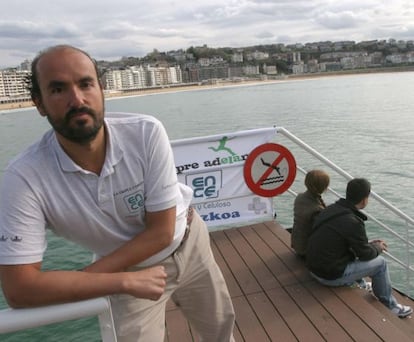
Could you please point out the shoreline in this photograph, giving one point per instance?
(220, 84)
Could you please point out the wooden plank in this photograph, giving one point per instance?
(270, 319)
(326, 325)
(293, 316)
(256, 265)
(239, 269)
(247, 322)
(237, 334)
(283, 234)
(384, 328)
(350, 322)
(232, 285)
(268, 233)
(406, 325)
(270, 258)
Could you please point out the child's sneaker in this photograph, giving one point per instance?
(362, 284)
(366, 286)
(402, 310)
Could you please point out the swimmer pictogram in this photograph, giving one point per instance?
(269, 170)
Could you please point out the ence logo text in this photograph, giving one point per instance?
(135, 201)
(205, 185)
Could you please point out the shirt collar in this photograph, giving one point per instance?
(113, 155)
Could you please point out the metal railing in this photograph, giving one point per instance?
(12, 320)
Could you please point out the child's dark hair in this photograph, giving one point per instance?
(316, 181)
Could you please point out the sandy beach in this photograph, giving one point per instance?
(17, 105)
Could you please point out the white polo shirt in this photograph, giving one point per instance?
(43, 188)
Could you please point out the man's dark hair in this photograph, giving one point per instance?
(32, 82)
(357, 189)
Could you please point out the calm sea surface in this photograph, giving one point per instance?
(362, 123)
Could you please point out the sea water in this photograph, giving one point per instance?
(362, 123)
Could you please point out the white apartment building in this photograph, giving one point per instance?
(270, 69)
(175, 75)
(158, 76)
(237, 57)
(13, 83)
(130, 78)
(127, 79)
(251, 70)
(400, 58)
(138, 77)
(298, 68)
(205, 61)
(257, 55)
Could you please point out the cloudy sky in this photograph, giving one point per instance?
(111, 29)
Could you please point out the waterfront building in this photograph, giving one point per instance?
(214, 72)
(294, 57)
(13, 85)
(270, 69)
(138, 77)
(257, 55)
(298, 68)
(237, 57)
(251, 70)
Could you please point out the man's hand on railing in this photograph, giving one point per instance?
(27, 285)
(381, 244)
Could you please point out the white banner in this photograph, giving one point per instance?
(213, 167)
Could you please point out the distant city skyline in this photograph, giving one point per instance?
(109, 30)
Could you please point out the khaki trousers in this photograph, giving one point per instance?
(195, 283)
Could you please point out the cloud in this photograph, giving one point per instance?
(112, 29)
(341, 20)
(30, 29)
(265, 35)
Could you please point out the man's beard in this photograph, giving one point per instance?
(78, 132)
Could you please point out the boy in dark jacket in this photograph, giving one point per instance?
(339, 253)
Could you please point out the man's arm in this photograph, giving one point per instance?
(27, 286)
(158, 234)
(358, 241)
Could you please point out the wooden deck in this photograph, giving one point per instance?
(275, 299)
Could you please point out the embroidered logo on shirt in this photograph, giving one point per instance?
(135, 201)
(12, 238)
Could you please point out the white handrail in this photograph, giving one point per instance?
(12, 320)
(345, 174)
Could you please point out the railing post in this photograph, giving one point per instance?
(106, 324)
(407, 251)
